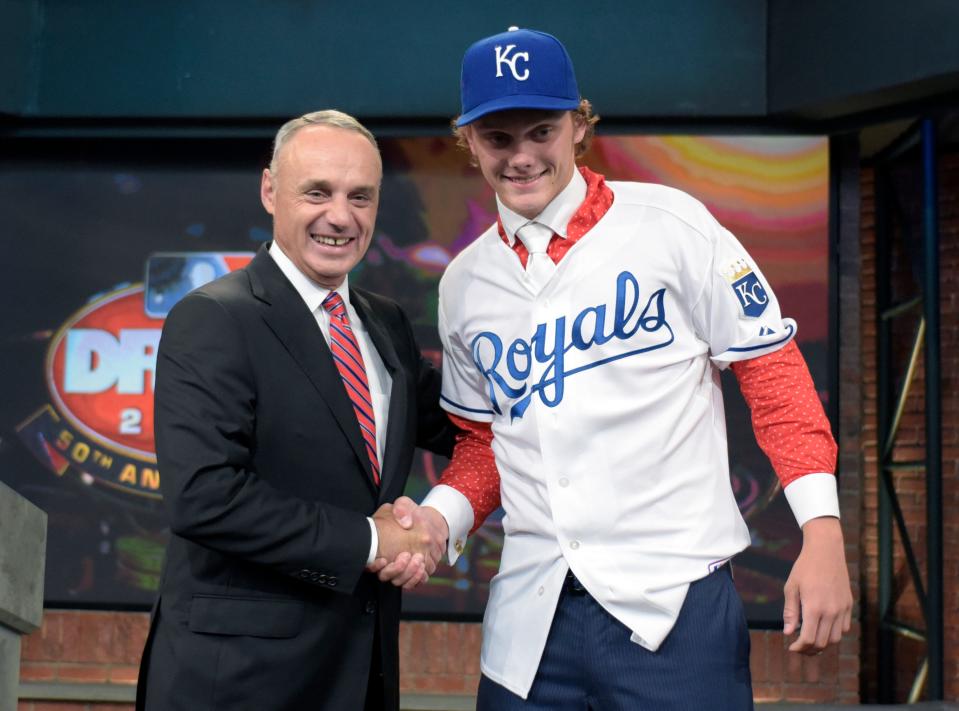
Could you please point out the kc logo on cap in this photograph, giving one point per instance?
(502, 57)
(518, 69)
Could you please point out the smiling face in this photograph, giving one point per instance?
(527, 156)
(323, 196)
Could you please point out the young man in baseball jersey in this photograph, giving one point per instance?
(583, 337)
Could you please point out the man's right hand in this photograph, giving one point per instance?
(410, 543)
(426, 533)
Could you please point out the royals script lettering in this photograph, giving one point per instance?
(507, 368)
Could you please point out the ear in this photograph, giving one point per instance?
(467, 133)
(267, 190)
(579, 127)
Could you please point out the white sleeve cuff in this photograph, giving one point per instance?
(811, 496)
(768, 340)
(374, 542)
(456, 509)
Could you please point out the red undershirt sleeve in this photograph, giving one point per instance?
(472, 470)
(788, 418)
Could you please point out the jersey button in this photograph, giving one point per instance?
(564, 482)
(574, 545)
(541, 591)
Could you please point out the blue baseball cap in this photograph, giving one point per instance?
(517, 69)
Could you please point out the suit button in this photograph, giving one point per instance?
(315, 577)
(304, 574)
(331, 581)
(321, 580)
(370, 607)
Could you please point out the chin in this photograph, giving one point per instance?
(528, 208)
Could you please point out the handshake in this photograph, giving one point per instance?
(412, 540)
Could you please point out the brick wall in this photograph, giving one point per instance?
(437, 658)
(910, 485)
(104, 647)
(83, 647)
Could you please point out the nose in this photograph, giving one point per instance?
(521, 157)
(337, 213)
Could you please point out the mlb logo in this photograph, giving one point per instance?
(172, 275)
(752, 297)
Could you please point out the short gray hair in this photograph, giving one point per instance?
(328, 117)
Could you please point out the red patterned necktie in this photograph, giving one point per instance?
(349, 361)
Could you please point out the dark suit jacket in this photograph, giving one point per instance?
(264, 603)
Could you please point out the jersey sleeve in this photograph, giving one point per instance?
(468, 491)
(737, 313)
(465, 392)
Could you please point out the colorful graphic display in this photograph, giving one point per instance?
(99, 253)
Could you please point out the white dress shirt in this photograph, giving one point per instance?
(376, 374)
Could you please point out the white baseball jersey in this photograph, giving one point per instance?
(604, 399)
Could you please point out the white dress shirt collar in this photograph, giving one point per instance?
(311, 292)
(556, 215)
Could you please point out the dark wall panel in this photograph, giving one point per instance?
(20, 24)
(649, 60)
(829, 58)
(260, 59)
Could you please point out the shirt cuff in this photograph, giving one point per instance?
(374, 542)
(811, 496)
(456, 509)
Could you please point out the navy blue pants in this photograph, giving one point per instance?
(590, 663)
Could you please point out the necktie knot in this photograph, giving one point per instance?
(539, 265)
(535, 236)
(333, 303)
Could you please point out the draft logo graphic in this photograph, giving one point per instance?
(100, 370)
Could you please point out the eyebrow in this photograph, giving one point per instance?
(325, 185)
(314, 185)
(500, 129)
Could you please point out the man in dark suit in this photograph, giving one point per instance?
(288, 405)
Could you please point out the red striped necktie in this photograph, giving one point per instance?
(349, 361)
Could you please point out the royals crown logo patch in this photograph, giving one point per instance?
(748, 289)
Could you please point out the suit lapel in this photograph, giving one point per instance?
(288, 317)
(398, 405)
